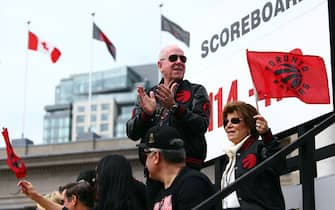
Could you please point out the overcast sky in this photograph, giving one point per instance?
(133, 26)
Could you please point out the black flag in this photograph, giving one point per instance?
(175, 30)
(99, 35)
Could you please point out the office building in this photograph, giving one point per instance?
(113, 94)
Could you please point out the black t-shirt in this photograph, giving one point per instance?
(188, 189)
(138, 198)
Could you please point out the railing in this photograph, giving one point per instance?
(307, 155)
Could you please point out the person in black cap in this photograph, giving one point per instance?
(183, 187)
(88, 176)
(174, 102)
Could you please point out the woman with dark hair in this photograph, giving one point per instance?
(243, 126)
(115, 186)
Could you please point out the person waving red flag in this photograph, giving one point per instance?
(13, 161)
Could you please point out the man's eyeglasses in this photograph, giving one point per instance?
(234, 120)
(174, 58)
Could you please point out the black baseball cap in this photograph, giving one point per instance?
(162, 137)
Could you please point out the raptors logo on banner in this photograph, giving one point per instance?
(280, 74)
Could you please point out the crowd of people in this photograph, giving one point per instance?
(170, 121)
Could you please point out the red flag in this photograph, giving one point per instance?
(281, 74)
(34, 43)
(99, 35)
(13, 161)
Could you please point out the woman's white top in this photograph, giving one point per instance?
(228, 177)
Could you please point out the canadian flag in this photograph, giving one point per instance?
(34, 43)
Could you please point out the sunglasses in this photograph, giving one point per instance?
(174, 58)
(234, 120)
(147, 151)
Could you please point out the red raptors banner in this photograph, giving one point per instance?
(13, 161)
(281, 74)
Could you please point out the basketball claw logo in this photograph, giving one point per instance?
(289, 74)
(183, 96)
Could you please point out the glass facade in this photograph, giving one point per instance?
(64, 92)
(116, 85)
(56, 125)
(76, 87)
(125, 112)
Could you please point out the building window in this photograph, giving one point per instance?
(57, 121)
(67, 122)
(104, 127)
(104, 117)
(52, 123)
(104, 106)
(120, 130)
(67, 131)
(80, 119)
(61, 122)
(79, 130)
(47, 134)
(46, 123)
(81, 108)
(93, 128)
(126, 110)
(60, 132)
(55, 133)
(93, 107)
(93, 118)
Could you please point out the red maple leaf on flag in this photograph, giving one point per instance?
(36, 44)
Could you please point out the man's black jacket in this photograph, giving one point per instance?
(190, 118)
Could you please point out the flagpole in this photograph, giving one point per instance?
(254, 89)
(90, 80)
(25, 85)
(160, 36)
(256, 98)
